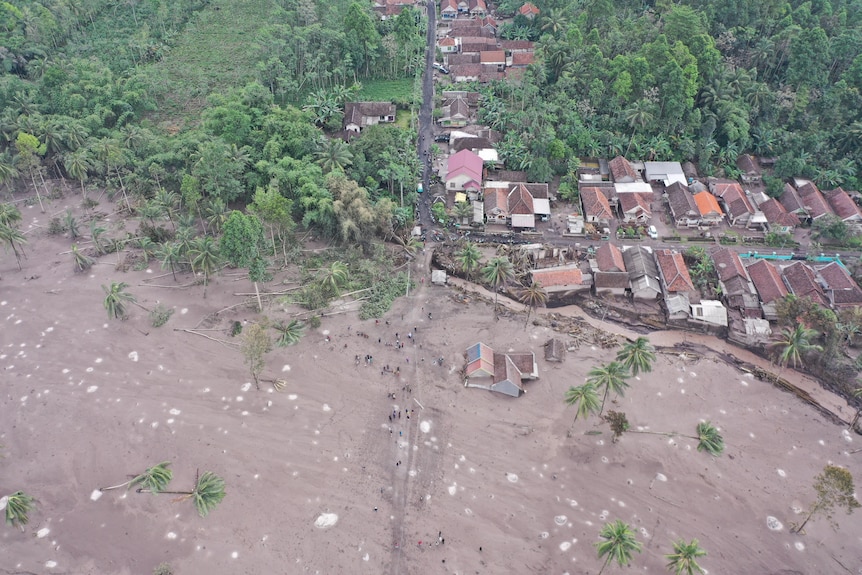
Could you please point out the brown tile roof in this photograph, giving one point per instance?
(767, 281)
(747, 165)
(496, 198)
(728, 264)
(734, 198)
(520, 200)
(610, 259)
(553, 277)
(466, 70)
(611, 280)
(461, 59)
(841, 203)
(680, 200)
(446, 41)
(355, 111)
(538, 190)
(836, 276)
(791, 200)
(472, 144)
(516, 45)
(523, 360)
(803, 282)
(673, 271)
(621, 169)
(629, 202)
(814, 202)
(523, 58)
(595, 203)
(776, 213)
(492, 57)
(707, 204)
(505, 370)
(508, 176)
(528, 9)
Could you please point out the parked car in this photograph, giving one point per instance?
(442, 138)
(441, 68)
(652, 232)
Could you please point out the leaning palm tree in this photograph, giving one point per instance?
(13, 236)
(288, 334)
(9, 214)
(206, 494)
(683, 560)
(170, 255)
(18, 506)
(83, 262)
(794, 343)
(609, 377)
(497, 273)
(468, 258)
(618, 545)
(585, 398)
(637, 356)
(154, 480)
(116, 299)
(532, 296)
(204, 257)
(708, 437)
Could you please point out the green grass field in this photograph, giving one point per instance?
(399, 91)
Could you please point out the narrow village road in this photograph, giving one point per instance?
(426, 134)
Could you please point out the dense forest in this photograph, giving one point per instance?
(689, 80)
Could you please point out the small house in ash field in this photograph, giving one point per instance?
(501, 372)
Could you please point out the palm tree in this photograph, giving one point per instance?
(709, 439)
(333, 154)
(683, 560)
(9, 215)
(288, 334)
(169, 201)
(333, 278)
(637, 356)
(795, 343)
(610, 376)
(497, 273)
(170, 255)
(618, 545)
(83, 262)
(468, 258)
(206, 494)
(462, 211)
(78, 165)
(116, 299)
(532, 296)
(585, 398)
(204, 257)
(154, 480)
(15, 239)
(18, 505)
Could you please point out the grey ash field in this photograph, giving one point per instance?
(87, 401)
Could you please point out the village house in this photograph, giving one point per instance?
(561, 281)
(609, 271)
(521, 211)
(501, 372)
(770, 288)
(710, 211)
(448, 45)
(455, 111)
(739, 292)
(634, 209)
(622, 171)
(360, 115)
(528, 11)
(493, 58)
(666, 173)
(682, 206)
(838, 285)
(737, 206)
(843, 206)
(643, 273)
(520, 59)
(477, 8)
(777, 217)
(465, 72)
(597, 210)
(453, 60)
(802, 282)
(448, 9)
(815, 204)
(750, 170)
(555, 350)
(464, 172)
(709, 311)
(793, 203)
(676, 282)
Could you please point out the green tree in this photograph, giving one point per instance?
(609, 377)
(637, 356)
(498, 272)
(332, 154)
(532, 296)
(78, 166)
(333, 278)
(683, 560)
(83, 262)
(154, 479)
(204, 257)
(585, 398)
(834, 487)
(618, 544)
(18, 507)
(288, 333)
(254, 346)
(241, 242)
(116, 299)
(709, 439)
(170, 256)
(11, 235)
(30, 152)
(468, 258)
(274, 211)
(794, 343)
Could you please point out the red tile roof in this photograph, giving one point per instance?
(621, 169)
(767, 281)
(728, 265)
(632, 201)
(528, 9)
(492, 57)
(803, 282)
(791, 200)
(520, 201)
(673, 270)
(553, 277)
(610, 259)
(776, 214)
(814, 202)
(836, 276)
(841, 203)
(707, 204)
(595, 203)
(523, 58)
(734, 198)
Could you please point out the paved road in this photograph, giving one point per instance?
(426, 134)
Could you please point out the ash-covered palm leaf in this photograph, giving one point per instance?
(18, 505)
(288, 334)
(208, 492)
(709, 439)
(155, 479)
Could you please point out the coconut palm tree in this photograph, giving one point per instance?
(204, 257)
(116, 299)
(637, 356)
(468, 258)
(78, 165)
(13, 236)
(288, 334)
(532, 296)
(206, 494)
(18, 505)
(83, 262)
(610, 377)
(709, 439)
(154, 480)
(585, 398)
(332, 154)
(9, 215)
(618, 545)
(462, 211)
(683, 560)
(794, 343)
(335, 277)
(497, 273)
(170, 255)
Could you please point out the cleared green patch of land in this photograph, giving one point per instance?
(399, 91)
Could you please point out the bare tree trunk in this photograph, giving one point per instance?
(257, 295)
(35, 187)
